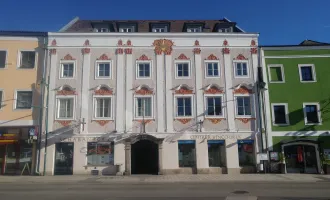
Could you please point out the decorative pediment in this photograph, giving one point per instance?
(243, 89)
(212, 57)
(68, 57)
(143, 57)
(66, 90)
(213, 89)
(103, 90)
(240, 57)
(183, 89)
(103, 57)
(143, 90)
(182, 57)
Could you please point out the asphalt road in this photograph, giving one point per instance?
(85, 190)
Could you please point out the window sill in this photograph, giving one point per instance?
(178, 77)
(276, 81)
(19, 68)
(308, 81)
(212, 76)
(103, 78)
(64, 119)
(67, 78)
(22, 109)
(143, 78)
(214, 117)
(184, 117)
(281, 124)
(104, 165)
(312, 124)
(242, 76)
(245, 116)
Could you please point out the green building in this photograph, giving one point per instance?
(297, 105)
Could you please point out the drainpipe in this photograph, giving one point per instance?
(42, 93)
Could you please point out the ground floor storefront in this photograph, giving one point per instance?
(231, 153)
(299, 154)
(16, 153)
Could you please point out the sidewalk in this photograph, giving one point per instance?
(168, 178)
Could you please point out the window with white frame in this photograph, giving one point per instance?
(103, 70)
(184, 106)
(3, 57)
(276, 73)
(312, 113)
(243, 106)
(126, 29)
(27, 59)
(307, 73)
(67, 70)
(241, 69)
(65, 108)
(143, 70)
(24, 99)
(213, 106)
(143, 107)
(159, 29)
(280, 114)
(212, 69)
(102, 107)
(182, 70)
(224, 30)
(101, 30)
(195, 29)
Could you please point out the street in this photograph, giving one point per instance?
(93, 190)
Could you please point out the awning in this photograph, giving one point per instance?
(308, 140)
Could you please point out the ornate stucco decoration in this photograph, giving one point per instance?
(119, 49)
(66, 90)
(143, 90)
(64, 122)
(240, 57)
(103, 57)
(86, 49)
(245, 120)
(103, 90)
(128, 50)
(184, 121)
(212, 57)
(143, 57)
(243, 89)
(68, 57)
(254, 49)
(213, 89)
(52, 51)
(197, 50)
(215, 120)
(146, 121)
(182, 57)
(183, 89)
(225, 49)
(163, 45)
(102, 122)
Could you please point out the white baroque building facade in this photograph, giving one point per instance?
(123, 101)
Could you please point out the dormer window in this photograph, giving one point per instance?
(101, 30)
(159, 29)
(126, 29)
(194, 29)
(225, 30)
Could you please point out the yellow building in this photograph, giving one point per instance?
(22, 64)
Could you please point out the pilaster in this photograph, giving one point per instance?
(52, 84)
(127, 158)
(120, 96)
(130, 66)
(85, 87)
(160, 157)
(169, 94)
(199, 85)
(160, 92)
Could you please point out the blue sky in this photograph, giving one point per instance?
(277, 21)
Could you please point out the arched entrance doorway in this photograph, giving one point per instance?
(145, 156)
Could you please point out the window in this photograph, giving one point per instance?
(182, 70)
(24, 100)
(280, 114)
(65, 107)
(67, 70)
(194, 29)
(126, 29)
(187, 153)
(143, 70)
(212, 69)
(1, 98)
(214, 106)
(241, 69)
(307, 73)
(101, 153)
(159, 29)
(27, 59)
(103, 70)
(143, 107)
(217, 153)
(246, 152)
(312, 113)
(103, 107)
(184, 107)
(3, 56)
(276, 73)
(224, 30)
(243, 105)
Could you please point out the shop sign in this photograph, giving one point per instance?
(8, 137)
(215, 137)
(86, 139)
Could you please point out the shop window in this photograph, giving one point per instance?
(217, 152)
(246, 152)
(187, 153)
(100, 153)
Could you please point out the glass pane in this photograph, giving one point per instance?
(306, 73)
(27, 59)
(147, 107)
(186, 70)
(180, 106)
(280, 116)
(3, 55)
(244, 66)
(139, 107)
(180, 70)
(147, 70)
(238, 69)
(312, 114)
(187, 107)
(187, 155)
(245, 154)
(276, 74)
(247, 106)
(24, 100)
(216, 155)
